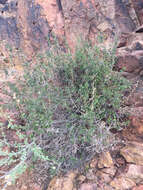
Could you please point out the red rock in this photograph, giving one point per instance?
(104, 177)
(137, 123)
(90, 175)
(32, 187)
(140, 187)
(136, 111)
(105, 160)
(88, 186)
(133, 153)
(135, 99)
(22, 23)
(36, 187)
(122, 183)
(136, 118)
(51, 12)
(140, 29)
(93, 162)
(129, 62)
(81, 179)
(138, 5)
(40, 18)
(122, 41)
(135, 173)
(63, 183)
(110, 171)
(24, 187)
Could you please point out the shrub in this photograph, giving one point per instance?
(68, 103)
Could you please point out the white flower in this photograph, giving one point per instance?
(14, 95)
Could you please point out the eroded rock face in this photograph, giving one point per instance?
(8, 24)
(130, 61)
(34, 29)
(135, 172)
(23, 26)
(88, 186)
(105, 160)
(63, 183)
(138, 5)
(122, 183)
(133, 153)
(27, 24)
(137, 123)
(140, 187)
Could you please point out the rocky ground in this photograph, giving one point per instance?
(26, 24)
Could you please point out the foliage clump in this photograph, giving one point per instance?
(68, 103)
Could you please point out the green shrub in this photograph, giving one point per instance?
(68, 103)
